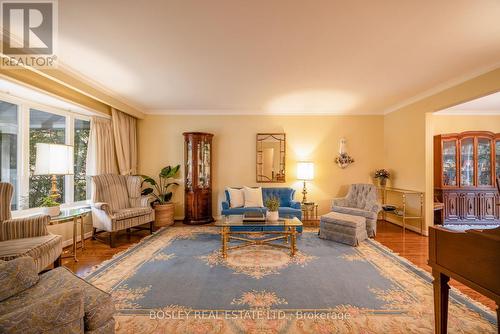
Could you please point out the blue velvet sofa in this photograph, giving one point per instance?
(288, 208)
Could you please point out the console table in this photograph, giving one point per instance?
(401, 212)
(76, 216)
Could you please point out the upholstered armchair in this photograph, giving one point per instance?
(56, 301)
(26, 236)
(117, 205)
(361, 200)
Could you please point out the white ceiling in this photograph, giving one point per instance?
(276, 56)
(486, 105)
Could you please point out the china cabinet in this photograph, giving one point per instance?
(198, 178)
(465, 167)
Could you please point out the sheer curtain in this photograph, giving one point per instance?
(125, 135)
(101, 158)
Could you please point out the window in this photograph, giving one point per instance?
(81, 139)
(51, 129)
(9, 127)
(23, 124)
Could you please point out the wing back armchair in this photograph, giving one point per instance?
(117, 204)
(26, 236)
(361, 200)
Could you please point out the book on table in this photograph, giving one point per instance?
(254, 217)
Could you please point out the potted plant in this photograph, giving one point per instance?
(383, 175)
(160, 190)
(50, 206)
(272, 204)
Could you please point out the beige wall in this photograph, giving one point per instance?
(442, 124)
(408, 134)
(313, 138)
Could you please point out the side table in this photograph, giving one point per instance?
(309, 211)
(75, 215)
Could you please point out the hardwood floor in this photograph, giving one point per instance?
(409, 245)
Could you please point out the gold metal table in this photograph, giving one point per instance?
(76, 215)
(288, 234)
(309, 211)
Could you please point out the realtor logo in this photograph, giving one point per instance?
(29, 33)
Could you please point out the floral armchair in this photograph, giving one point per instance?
(56, 301)
(26, 236)
(361, 200)
(117, 205)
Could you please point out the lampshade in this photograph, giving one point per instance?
(305, 171)
(54, 159)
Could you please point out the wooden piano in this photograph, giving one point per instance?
(472, 258)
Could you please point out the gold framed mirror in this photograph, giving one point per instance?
(271, 155)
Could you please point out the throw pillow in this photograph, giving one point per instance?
(16, 276)
(236, 197)
(253, 197)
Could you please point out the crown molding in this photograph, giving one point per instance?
(459, 112)
(441, 87)
(245, 112)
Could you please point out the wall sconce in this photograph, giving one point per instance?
(343, 159)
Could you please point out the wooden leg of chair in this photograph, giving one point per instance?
(112, 239)
(94, 232)
(441, 291)
(58, 262)
(151, 227)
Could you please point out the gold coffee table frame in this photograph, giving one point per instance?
(288, 235)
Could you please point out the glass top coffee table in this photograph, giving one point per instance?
(286, 231)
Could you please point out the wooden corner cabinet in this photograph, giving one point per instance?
(198, 178)
(465, 168)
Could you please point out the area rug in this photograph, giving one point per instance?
(175, 281)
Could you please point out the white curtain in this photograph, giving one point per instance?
(125, 135)
(101, 158)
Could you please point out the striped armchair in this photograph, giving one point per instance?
(117, 205)
(26, 236)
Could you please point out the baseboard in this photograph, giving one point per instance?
(408, 227)
(69, 242)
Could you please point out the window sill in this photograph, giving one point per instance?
(36, 211)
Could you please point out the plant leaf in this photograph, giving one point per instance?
(165, 171)
(171, 184)
(167, 197)
(147, 191)
(148, 179)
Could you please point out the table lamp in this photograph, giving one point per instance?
(305, 172)
(54, 159)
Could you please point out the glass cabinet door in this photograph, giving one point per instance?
(467, 162)
(203, 164)
(450, 163)
(497, 159)
(484, 162)
(189, 164)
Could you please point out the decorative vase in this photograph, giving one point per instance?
(52, 211)
(383, 181)
(164, 214)
(272, 216)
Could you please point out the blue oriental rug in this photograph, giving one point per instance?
(175, 281)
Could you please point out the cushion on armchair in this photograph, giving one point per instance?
(43, 250)
(16, 276)
(131, 212)
(59, 311)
